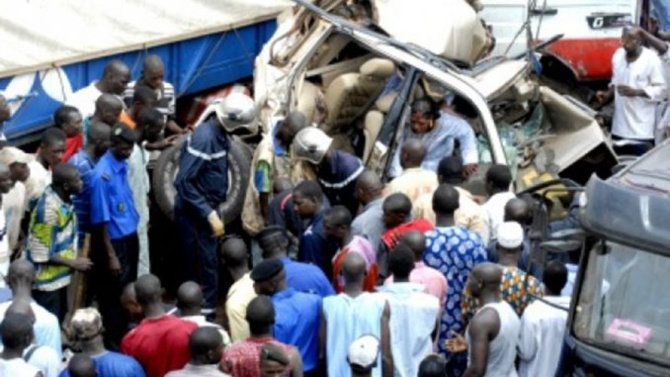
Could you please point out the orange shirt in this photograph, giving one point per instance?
(362, 246)
(125, 118)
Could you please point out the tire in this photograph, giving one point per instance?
(239, 165)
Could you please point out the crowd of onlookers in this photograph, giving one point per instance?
(338, 272)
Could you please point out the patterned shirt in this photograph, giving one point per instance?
(454, 251)
(53, 231)
(516, 291)
(243, 359)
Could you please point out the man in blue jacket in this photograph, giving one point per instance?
(202, 185)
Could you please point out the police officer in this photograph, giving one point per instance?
(202, 185)
(115, 220)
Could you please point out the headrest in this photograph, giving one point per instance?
(378, 67)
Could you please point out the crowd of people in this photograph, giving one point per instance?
(338, 273)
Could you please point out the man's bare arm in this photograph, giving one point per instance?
(483, 328)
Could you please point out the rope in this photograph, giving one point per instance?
(204, 63)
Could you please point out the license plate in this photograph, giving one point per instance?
(608, 20)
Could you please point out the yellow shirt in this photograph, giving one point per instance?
(239, 296)
(413, 182)
(468, 215)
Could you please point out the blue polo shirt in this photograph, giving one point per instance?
(111, 198)
(307, 278)
(111, 364)
(297, 323)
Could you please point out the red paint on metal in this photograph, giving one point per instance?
(589, 59)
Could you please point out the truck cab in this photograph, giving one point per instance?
(591, 28)
(618, 322)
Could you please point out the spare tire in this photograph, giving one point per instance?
(239, 165)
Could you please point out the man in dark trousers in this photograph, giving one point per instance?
(202, 185)
(114, 219)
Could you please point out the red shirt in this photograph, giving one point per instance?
(243, 359)
(159, 344)
(72, 146)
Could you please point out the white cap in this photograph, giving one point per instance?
(510, 235)
(236, 111)
(363, 353)
(311, 144)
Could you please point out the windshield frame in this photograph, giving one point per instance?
(581, 289)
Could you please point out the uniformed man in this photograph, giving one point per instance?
(202, 185)
(115, 220)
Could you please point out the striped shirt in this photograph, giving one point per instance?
(52, 231)
(166, 98)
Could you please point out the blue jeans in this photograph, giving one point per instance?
(201, 256)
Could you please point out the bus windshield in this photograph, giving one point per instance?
(624, 304)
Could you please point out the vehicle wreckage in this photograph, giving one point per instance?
(333, 61)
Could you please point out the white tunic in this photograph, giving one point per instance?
(635, 117)
(542, 330)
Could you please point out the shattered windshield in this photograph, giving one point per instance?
(623, 304)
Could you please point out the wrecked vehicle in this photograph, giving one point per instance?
(334, 64)
(618, 321)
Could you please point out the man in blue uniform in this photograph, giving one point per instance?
(114, 219)
(202, 186)
(336, 170)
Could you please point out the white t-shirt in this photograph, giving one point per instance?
(17, 368)
(45, 359)
(84, 99)
(495, 212)
(13, 204)
(542, 329)
(36, 183)
(635, 117)
(46, 327)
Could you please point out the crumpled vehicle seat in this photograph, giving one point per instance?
(350, 95)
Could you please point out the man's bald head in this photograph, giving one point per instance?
(518, 210)
(290, 126)
(189, 298)
(148, 290)
(153, 63)
(99, 131)
(115, 77)
(485, 277)
(488, 273)
(416, 241)
(412, 153)
(234, 253)
(206, 345)
(153, 73)
(369, 181)
(21, 305)
(81, 365)
(108, 109)
(354, 268)
(260, 315)
(445, 200)
(21, 274)
(397, 209)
